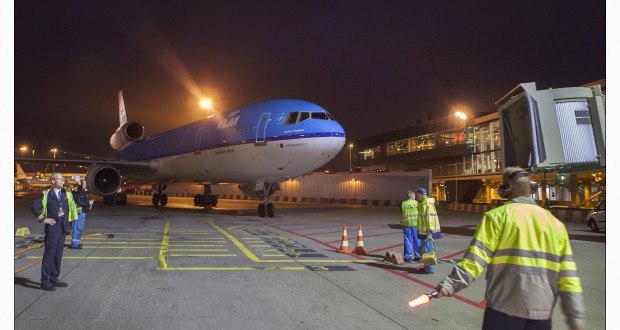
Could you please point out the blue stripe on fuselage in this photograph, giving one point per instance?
(234, 128)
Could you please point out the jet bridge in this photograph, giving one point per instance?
(560, 130)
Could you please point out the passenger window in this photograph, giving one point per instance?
(292, 118)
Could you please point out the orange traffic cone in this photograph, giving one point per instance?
(359, 246)
(344, 246)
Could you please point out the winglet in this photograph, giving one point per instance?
(122, 112)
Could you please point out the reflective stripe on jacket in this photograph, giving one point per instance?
(73, 213)
(410, 213)
(530, 262)
(427, 218)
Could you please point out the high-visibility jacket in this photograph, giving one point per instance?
(428, 219)
(73, 213)
(410, 213)
(530, 262)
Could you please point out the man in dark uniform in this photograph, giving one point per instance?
(55, 207)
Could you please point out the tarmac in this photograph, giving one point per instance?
(184, 267)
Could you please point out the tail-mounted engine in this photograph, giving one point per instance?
(130, 132)
(103, 180)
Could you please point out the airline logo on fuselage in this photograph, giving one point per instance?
(280, 118)
(229, 122)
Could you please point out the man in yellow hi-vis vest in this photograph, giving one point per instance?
(410, 228)
(56, 208)
(530, 262)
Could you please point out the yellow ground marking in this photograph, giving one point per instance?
(202, 255)
(119, 247)
(239, 245)
(98, 258)
(235, 268)
(202, 245)
(274, 255)
(163, 251)
(201, 250)
(234, 227)
(242, 247)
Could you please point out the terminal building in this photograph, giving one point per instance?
(465, 156)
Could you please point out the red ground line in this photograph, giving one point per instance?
(481, 305)
(340, 231)
(386, 248)
(403, 274)
(450, 256)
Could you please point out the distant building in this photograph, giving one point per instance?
(465, 158)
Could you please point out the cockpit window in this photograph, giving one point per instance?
(303, 116)
(292, 118)
(298, 117)
(320, 115)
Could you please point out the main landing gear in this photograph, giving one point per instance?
(206, 199)
(159, 198)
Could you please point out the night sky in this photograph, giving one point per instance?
(375, 65)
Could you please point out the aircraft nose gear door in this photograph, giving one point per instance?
(261, 129)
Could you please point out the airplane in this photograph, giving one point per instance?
(29, 182)
(22, 180)
(256, 146)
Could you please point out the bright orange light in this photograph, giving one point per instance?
(206, 104)
(423, 299)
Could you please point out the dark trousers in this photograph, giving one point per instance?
(497, 320)
(52, 256)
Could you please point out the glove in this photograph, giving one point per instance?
(429, 234)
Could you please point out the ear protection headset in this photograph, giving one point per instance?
(506, 189)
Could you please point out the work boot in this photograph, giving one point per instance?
(60, 284)
(47, 286)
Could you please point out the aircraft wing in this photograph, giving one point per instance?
(145, 165)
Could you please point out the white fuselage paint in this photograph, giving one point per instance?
(273, 161)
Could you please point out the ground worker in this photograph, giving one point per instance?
(428, 225)
(530, 262)
(83, 205)
(55, 207)
(410, 228)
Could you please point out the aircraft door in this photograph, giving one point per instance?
(261, 128)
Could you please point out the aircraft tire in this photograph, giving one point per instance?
(120, 199)
(261, 210)
(155, 199)
(163, 200)
(213, 200)
(270, 210)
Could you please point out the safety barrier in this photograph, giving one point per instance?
(564, 214)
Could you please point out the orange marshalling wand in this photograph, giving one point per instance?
(423, 299)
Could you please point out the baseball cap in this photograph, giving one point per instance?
(421, 191)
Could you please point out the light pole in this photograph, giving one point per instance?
(350, 158)
(54, 166)
(24, 148)
(33, 163)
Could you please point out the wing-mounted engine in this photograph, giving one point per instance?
(103, 180)
(126, 134)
